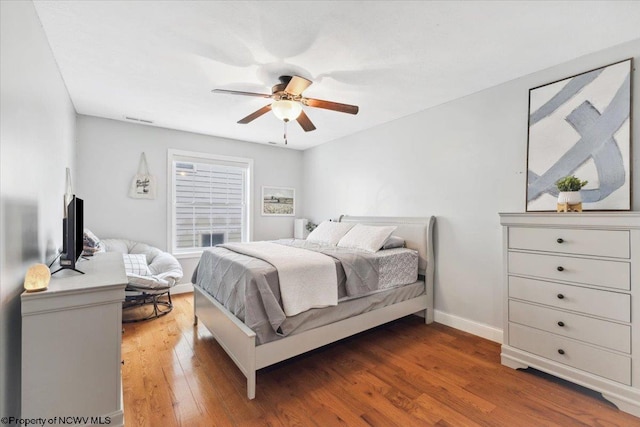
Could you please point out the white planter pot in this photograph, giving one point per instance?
(571, 197)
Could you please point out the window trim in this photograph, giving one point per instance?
(171, 193)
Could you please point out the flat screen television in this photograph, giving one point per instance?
(72, 233)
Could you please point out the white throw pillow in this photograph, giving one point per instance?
(329, 232)
(368, 238)
(136, 264)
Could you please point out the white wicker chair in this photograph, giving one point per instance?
(152, 289)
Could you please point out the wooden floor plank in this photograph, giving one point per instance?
(404, 373)
(156, 389)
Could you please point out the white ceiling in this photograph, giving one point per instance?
(159, 60)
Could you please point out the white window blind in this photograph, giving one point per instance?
(210, 198)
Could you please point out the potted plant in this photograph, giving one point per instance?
(569, 188)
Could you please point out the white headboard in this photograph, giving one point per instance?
(416, 231)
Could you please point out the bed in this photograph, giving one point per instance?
(251, 351)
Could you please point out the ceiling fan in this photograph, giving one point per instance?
(288, 102)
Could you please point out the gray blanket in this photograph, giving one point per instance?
(249, 287)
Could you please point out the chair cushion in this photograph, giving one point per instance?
(164, 269)
(148, 284)
(115, 245)
(166, 265)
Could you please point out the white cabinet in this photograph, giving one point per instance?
(71, 339)
(572, 299)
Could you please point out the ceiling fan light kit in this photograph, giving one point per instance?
(286, 110)
(288, 102)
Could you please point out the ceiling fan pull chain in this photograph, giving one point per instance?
(285, 131)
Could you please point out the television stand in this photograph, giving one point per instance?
(67, 268)
(71, 266)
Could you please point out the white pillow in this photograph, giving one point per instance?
(393, 242)
(329, 232)
(368, 238)
(136, 264)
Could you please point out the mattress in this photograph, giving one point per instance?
(397, 267)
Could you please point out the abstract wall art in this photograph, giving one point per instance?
(581, 126)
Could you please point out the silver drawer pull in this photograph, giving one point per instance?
(560, 268)
(560, 296)
(560, 240)
(561, 351)
(561, 324)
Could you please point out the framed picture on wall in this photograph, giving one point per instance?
(278, 201)
(581, 126)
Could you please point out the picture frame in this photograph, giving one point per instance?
(581, 126)
(278, 201)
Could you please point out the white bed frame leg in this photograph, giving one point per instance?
(251, 385)
(429, 275)
(428, 313)
(250, 364)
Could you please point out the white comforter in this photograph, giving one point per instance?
(307, 279)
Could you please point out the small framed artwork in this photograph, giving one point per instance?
(581, 126)
(278, 201)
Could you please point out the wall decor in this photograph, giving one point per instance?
(278, 201)
(143, 184)
(581, 126)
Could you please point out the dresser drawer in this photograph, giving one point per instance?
(607, 243)
(595, 331)
(600, 362)
(611, 305)
(611, 274)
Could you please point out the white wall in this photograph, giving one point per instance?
(464, 162)
(37, 124)
(108, 155)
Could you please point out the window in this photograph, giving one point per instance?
(209, 200)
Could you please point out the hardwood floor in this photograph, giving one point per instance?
(405, 373)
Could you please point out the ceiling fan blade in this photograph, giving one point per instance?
(251, 117)
(297, 85)
(237, 92)
(305, 122)
(328, 105)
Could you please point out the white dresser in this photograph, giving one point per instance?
(572, 299)
(71, 340)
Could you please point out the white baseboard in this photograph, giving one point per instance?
(466, 325)
(182, 288)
